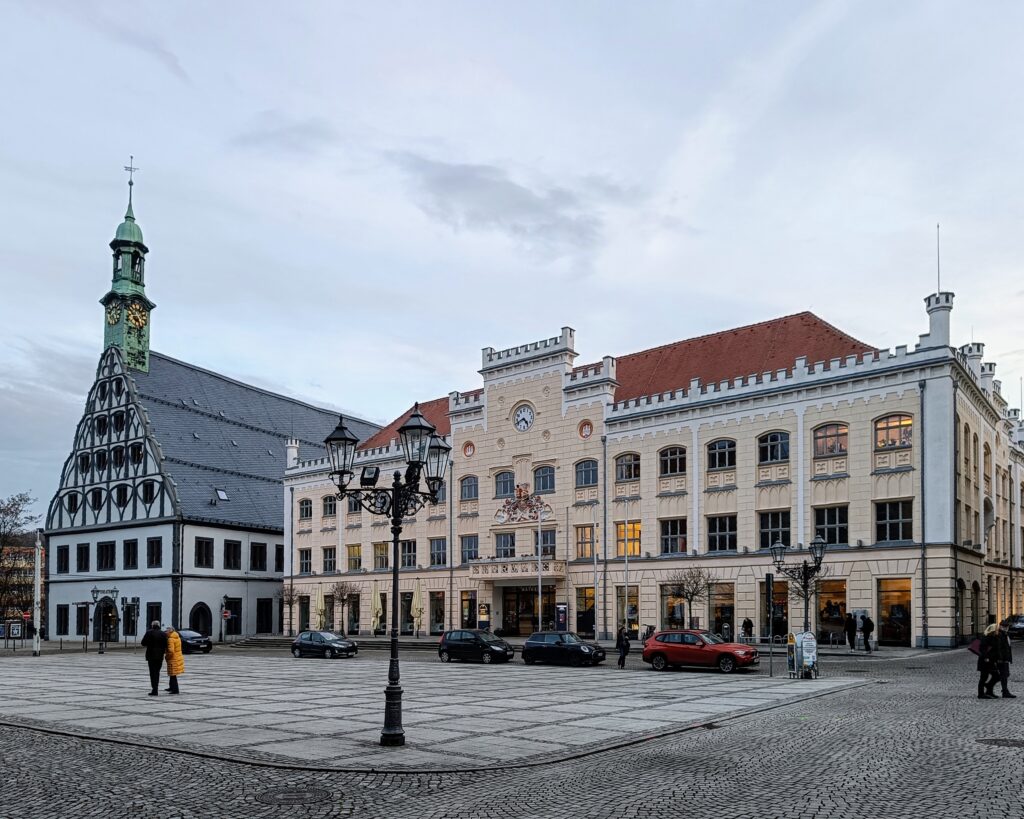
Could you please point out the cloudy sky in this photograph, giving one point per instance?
(346, 201)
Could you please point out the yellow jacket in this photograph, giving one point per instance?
(175, 659)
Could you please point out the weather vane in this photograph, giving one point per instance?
(130, 167)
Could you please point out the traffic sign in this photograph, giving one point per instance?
(227, 614)
(26, 615)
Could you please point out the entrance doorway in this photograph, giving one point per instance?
(519, 610)
(894, 611)
(200, 619)
(264, 615)
(105, 622)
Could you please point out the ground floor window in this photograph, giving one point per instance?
(329, 612)
(82, 620)
(407, 620)
(153, 614)
(467, 618)
(303, 613)
(628, 611)
(673, 609)
(894, 611)
(775, 615)
(63, 620)
(723, 610)
(585, 623)
(379, 616)
(831, 611)
(353, 614)
(233, 625)
(437, 612)
(519, 610)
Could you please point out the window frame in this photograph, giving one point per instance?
(584, 539)
(823, 433)
(63, 565)
(627, 467)
(548, 480)
(305, 509)
(774, 525)
(232, 555)
(329, 506)
(667, 539)
(438, 551)
(667, 457)
(831, 530)
(257, 557)
(106, 556)
(904, 523)
(504, 545)
(721, 448)
(715, 535)
(329, 558)
(82, 558)
(890, 426)
(504, 480)
(583, 469)
(381, 557)
(154, 546)
(468, 554)
(469, 488)
(628, 533)
(203, 557)
(305, 556)
(354, 557)
(773, 448)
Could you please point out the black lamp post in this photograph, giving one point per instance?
(803, 572)
(426, 454)
(223, 611)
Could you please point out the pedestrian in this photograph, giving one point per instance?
(155, 643)
(850, 626)
(622, 644)
(1003, 656)
(748, 627)
(987, 658)
(867, 626)
(175, 660)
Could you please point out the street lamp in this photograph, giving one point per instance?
(223, 611)
(803, 572)
(36, 598)
(426, 454)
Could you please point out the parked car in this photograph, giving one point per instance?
(323, 644)
(473, 644)
(701, 648)
(193, 641)
(560, 647)
(1015, 626)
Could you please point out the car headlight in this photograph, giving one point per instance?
(585, 649)
(742, 653)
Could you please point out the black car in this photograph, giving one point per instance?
(193, 641)
(323, 644)
(561, 647)
(473, 644)
(1015, 626)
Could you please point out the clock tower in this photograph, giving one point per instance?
(126, 308)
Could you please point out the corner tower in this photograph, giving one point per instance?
(127, 313)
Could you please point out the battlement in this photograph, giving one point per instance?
(939, 301)
(463, 401)
(585, 376)
(975, 349)
(493, 359)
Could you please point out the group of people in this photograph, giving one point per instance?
(867, 627)
(163, 645)
(994, 658)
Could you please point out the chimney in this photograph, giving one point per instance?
(291, 450)
(939, 306)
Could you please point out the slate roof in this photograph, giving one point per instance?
(218, 433)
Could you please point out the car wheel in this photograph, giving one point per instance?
(658, 662)
(445, 656)
(207, 650)
(487, 658)
(574, 660)
(727, 664)
(296, 653)
(329, 654)
(528, 660)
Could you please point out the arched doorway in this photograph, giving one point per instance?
(200, 619)
(105, 623)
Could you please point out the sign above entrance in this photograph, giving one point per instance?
(523, 508)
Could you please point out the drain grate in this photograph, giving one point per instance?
(1003, 743)
(916, 667)
(292, 796)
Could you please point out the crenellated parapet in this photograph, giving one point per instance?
(561, 345)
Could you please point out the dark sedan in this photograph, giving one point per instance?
(562, 647)
(473, 644)
(1015, 626)
(193, 641)
(323, 644)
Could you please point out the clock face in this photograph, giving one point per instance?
(113, 313)
(137, 316)
(522, 419)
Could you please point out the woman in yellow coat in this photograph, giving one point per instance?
(175, 659)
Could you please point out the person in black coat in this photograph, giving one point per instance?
(155, 642)
(1002, 656)
(622, 645)
(987, 654)
(850, 627)
(867, 625)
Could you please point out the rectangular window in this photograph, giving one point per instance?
(586, 473)
(131, 618)
(831, 523)
(81, 620)
(722, 533)
(330, 559)
(830, 440)
(130, 554)
(584, 542)
(505, 544)
(894, 521)
(257, 557)
(469, 488)
(438, 551)
(106, 556)
(233, 624)
(627, 532)
(154, 613)
(279, 558)
(204, 553)
(355, 557)
(627, 467)
(154, 555)
(774, 527)
(353, 505)
(442, 494)
(504, 485)
(330, 506)
(82, 555)
(470, 547)
(408, 552)
(233, 554)
(547, 542)
(63, 561)
(63, 620)
(380, 555)
(305, 561)
(673, 536)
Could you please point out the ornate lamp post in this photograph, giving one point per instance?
(223, 611)
(96, 612)
(803, 572)
(426, 454)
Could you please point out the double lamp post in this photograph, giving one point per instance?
(426, 455)
(802, 573)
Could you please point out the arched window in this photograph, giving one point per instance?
(118, 387)
(102, 391)
(101, 460)
(136, 452)
(118, 422)
(586, 473)
(305, 509)
(330, 506)
(722, 454)
(121, 495)
(627, 467)
(469, 488)
(543, 480)
(84, 462)
(504, 485)
(117, 456)
(672, 461)
(831, 439)
(148, 491)
(101, 425)
(894, 432)
(773, 448)
(96, 499)
(71, 502)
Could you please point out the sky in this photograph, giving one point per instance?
(345, 202)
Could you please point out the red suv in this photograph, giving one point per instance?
(672, 648)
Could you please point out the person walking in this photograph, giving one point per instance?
(155, 643)
(867, 626)
(175, 660)
(850, 627)
(987, 654)
(748, 627)
(622, 644)
(1003, 656)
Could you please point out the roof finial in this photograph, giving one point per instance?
(130, 167)
(938, 261)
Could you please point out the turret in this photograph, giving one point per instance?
(939, 306)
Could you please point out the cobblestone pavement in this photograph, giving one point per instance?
(913, 742)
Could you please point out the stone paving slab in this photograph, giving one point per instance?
(328, 714)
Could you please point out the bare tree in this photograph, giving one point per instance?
(289, 596)
(343, 592)
(691, 584)
(17, 554)
(804, 597)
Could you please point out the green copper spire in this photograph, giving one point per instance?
(127, 308)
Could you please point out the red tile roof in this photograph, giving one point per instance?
(436, 412)
(757, 348)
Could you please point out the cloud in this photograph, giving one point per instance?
(272, 131)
